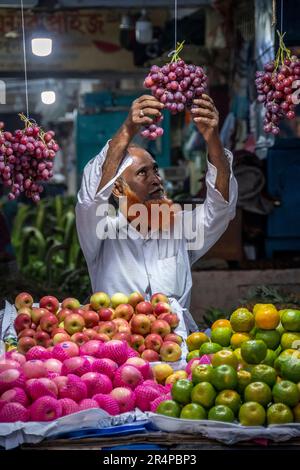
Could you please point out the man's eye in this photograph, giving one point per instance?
(142, 172)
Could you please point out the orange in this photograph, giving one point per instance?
(257, 307)
(195, 340)
(264, 373)
(253, 351)
(278, 413)
(224, 357)
(267, 317)
(286, 392)
(242, 320)
(290, 340)
(229, 398)
(258, 392)
(238, 338)
(222, 322)
(290, 320)
(252, 414)
(221, 335)
(270, 337)
(221, 413)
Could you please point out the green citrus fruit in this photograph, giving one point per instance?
(270, 358)
(244, 378)
(221, 413)
(193, 411)
(278, 413)
(286, 392)
(195, 340)
(202, 373)
(238, 338)
(259, 392)
(209, 348)
(192, 355)
(264, 373)
(229, 398)
(253, 351)
(252, 414)
(290, 320)
(169, 408)
(242, 320)
(204, 394)
(290, 340)
(224, 357)
(181, 391)
(270, 337)
(221, 335)
(290, 369)
(224, 377)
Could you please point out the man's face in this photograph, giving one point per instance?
(142, 176)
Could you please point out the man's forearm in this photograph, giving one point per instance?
(115, 154)
(218, 158)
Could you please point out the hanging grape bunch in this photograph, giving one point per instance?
(275, 87)
(26, 159)
(175, 85)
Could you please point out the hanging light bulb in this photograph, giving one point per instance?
(143, 29)
(41, 42)
(48, 97)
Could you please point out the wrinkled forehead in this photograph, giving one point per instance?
(140, 158)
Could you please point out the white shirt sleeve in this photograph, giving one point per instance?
(89, 202)
(211, 218)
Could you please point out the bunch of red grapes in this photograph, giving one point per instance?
(26, 159)
(276, 87)
(175, 85)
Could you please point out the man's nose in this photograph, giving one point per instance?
(156, 179)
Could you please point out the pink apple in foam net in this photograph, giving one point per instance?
(97, 383)
(162, 307)
(48, 322)
(79, 338)
(41, 387)
(37, 314)
(124, 311)
(91, 318)
(170, 352)
(91, 334)
(150, 355)
(23, 300)
(13, 412)
(140, 324)
(158, 297)
(153, 341)
(135, 298)
(70, 303)
(128, 376)
(105, 314)
(38, 352)
(16, 395)
(91, 348)
(34, 369)
(144, 308)
(108, 328)
(25, 311)
(10, 378)
(105, 366)
(60, 338)
(91, 359)
(174, 337)
(74, 323)
(142, 365)
(18, 357)
(125, 398)
(76, 365)
(63, 313)
(21, 322)
(60, 381)
(26, 332)
(50, 303)
(45, 409)
(42, 338)
(53, 365)
(65, 350)
(8, 364)
(160, 327)
(173, 320)
(25, 343)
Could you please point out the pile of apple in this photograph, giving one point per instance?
(45, 384)
(145, 326)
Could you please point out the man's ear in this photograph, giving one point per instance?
(118, 189)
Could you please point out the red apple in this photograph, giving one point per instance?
(86, 307)
(140, 324)
(120, 322)
(124, 329)
(173, 320)
(170, 352)
(162, 316)
(135, 298)
(25, 343)
(70, 303)
(90, 333)
(141, 348)
(23, 300)
(57, 330)
(105, 314)
(158, 297)
(25, 310)
(173, 337)
(33, 326)
(103, 337)
(37, 313)
(74, 323)
(124, 311)
(48, 322)
(60, 338)
(42, 338)
(79, 338)
(153, 341)
(162, 307)
(79, 311)
(21, 322)
(50, 303)
(98, 300)
(150, 355)
(152, 318)
(91, 318)
(122, 336)
(26, 332)
(136, 341)
(108, 328)
(144, 307)
(63, 313)
(160, 327)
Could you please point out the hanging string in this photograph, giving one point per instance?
(281, 16)
(175, 25)
(274, 19)
(24, 58)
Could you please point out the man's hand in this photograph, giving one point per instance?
(141, 111)
(206, 117)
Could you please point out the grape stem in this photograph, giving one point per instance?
(31, 122)
(282, 53)
(175, 54)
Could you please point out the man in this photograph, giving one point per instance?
(139, 261)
